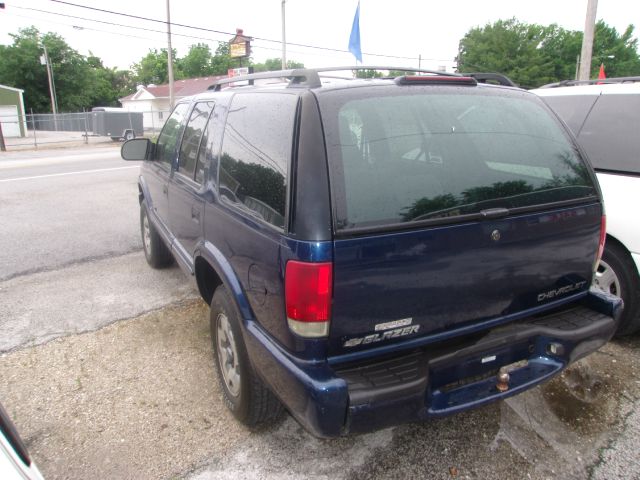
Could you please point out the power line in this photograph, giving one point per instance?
(81, 27)
(112, 23)
(138, 17)
(208, 39)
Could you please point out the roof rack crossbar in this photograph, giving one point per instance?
(308, 77)
(499, 78)
(595, 81)
(298, 76)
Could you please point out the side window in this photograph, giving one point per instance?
(210, 145)
(256, 152)
(611, 134)
(205, 151)
(573, 109)
(166, 144)
(192, 137)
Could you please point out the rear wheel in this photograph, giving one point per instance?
(129, 135)
(617, 275)
(244, 393)
(155, 250)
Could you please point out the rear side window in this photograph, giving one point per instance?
(611, 134)
(256, 152)
(192, 137)
(424, 154)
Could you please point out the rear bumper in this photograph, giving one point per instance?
(436, 380)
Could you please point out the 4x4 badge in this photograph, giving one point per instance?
(495, 235)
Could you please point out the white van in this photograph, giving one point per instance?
(604, 115)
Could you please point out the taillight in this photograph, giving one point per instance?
(603, 237)
(307, 291)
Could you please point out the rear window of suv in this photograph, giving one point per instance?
(420, 154)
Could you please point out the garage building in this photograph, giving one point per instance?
(12, 114)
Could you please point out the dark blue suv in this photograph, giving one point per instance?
(377, 251)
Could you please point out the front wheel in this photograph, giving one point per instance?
(617, 275)
(244, 393)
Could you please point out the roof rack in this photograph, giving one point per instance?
(490, 77)
(571, 83)
(309, 78)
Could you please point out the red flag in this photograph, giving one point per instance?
(601, 75)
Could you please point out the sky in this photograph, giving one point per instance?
(392, 33)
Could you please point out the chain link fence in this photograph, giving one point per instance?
(36, 130)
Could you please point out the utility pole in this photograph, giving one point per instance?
(46, 61)
(577, 67)
(3, 147)
(587, 40)
(284, 40)
(170, 58)
(52, 94)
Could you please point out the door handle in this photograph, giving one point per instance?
(165, 189)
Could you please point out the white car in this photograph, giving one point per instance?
(15, 463)
(604, 115)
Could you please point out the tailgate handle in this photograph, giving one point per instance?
(494, 213)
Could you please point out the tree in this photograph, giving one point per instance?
(533, 55)
(619, 53)
(273, 64)
(366, 73)
(198, 62)
(153, 68)
(399, 73)
(80, 82)
(507, 47)
(20, 68)
(222, 61)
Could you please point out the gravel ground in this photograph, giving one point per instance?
(136, 399)
(139, 399)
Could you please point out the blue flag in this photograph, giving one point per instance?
(354, 39)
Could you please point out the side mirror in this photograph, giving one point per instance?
(137, 149)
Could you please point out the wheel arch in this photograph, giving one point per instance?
(211, 270)
(630, 256)
(207, 278)
(613, 239)
(143, 191)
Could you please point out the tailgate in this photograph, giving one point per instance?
(420, 282)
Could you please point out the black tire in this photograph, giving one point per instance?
(129, 135)
(616, 258)
(155, 250)
(248, 398)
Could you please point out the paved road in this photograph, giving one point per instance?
(58, 209)
(135, 395)
(70, 246)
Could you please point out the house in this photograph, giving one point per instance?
(153, 100)
(12, 114)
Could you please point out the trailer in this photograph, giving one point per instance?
(117, 123)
